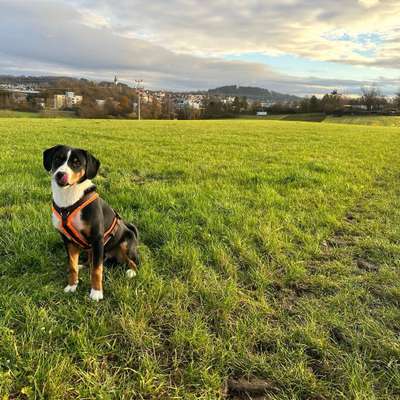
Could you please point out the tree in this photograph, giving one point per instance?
(314, 104)
(371, 97)
(167, 108)
(155, 109)
(396, 100)
(89, 109)
(332, 102)
(111, 107)
(236, 105)
(125, 106)
(255, 106)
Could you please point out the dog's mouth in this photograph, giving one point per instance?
(61, 179)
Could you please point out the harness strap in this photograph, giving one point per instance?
(66, 215)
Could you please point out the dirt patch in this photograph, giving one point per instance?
(248, 388)
(367, 265)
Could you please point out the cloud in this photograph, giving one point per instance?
(184, 44)
(59, 37)
(369, 3)
(298, 27)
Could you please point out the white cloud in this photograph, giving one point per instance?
(369, 3)
(225, 27)
(182, 44)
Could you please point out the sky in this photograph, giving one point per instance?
(300, 47)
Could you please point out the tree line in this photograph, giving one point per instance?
(121, 101)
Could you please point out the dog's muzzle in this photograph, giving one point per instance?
(61, 178)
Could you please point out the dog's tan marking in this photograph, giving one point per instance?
(97, 277)
(123, 253)
(75, 177)
(73, 259)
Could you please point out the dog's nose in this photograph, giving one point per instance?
(61, 177)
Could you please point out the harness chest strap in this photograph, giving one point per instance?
(66, 215)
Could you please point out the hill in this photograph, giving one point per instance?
(252, 93)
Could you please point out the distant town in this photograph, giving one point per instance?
(52, 96)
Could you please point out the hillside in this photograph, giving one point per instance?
(252, 93)
(54, 81)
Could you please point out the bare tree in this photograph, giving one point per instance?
(396, 100)
(371, 97)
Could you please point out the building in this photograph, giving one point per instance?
(16, 94)
(100, 103)
(40, 102)
(67, 100)
(359, 107)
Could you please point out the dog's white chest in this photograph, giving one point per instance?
(56, 222)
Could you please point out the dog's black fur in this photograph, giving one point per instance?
(80, 166)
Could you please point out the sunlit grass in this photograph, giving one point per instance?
(372, 120)
(239, 278)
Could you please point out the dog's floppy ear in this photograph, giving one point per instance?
(92, 165)
(48, 156)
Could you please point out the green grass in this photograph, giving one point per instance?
(304, 117)
(17, 114)
(371, 120)
(374, 120)
(252, 235)
(40, 114)
(264, 117)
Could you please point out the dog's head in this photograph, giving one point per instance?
(69, 165)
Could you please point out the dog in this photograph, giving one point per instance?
(84, 220)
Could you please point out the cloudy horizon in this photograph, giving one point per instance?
(299, 47)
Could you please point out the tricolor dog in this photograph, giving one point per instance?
(84, 220)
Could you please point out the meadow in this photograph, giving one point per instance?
(372, 120)
(270, 258)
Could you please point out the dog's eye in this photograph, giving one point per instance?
(58, 159)
(76, 163)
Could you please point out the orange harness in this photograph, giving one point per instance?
(66, 215)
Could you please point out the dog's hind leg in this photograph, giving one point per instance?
(127, 255)
(132, 270)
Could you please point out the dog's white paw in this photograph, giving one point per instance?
(96, 295)
(70, 288)
(130, 273)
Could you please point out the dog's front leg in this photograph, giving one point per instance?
(73, 259)
(96, 292)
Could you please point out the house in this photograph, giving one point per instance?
(40, 102)
(72, 99)
(100, 103)
(67, 100)
(359, 107)
(19, 97)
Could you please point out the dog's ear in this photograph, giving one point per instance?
(48, 156)
(92, 165)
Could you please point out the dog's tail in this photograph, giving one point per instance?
(133, 229)
(133, 240)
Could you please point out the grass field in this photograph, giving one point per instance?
(373, 120)
(370, 120)
(42, 114)
(270, 251)
(17, 114)
(306, 117)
